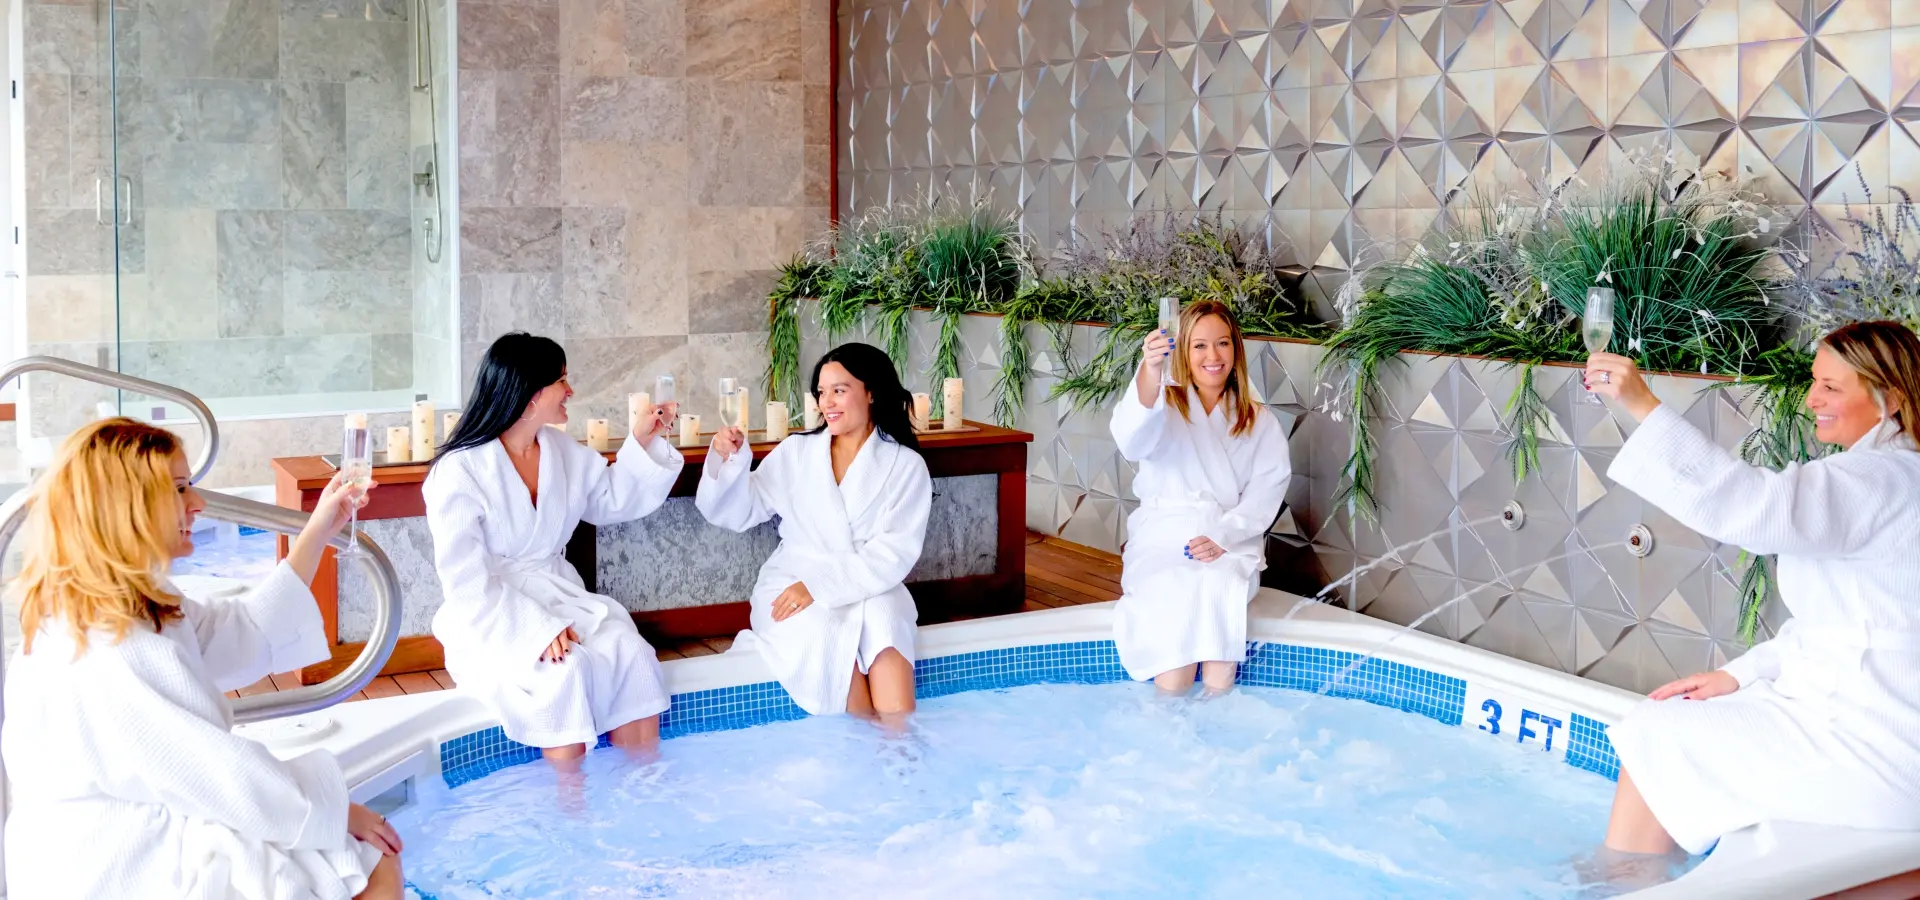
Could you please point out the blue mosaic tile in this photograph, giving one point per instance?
(1588, 747)
(1337, 673)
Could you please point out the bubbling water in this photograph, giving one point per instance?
(1042, 791)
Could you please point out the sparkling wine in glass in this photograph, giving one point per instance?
(663, 393)
(1596, 327)
(356, 467)
(729, 394)
(1169, 323)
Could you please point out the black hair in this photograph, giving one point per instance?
(892, 404)
(517, 366)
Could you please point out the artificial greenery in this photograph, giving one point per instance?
(1509, 280)
(800, 278)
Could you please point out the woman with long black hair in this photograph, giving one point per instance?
(831, 613)
(559, 665)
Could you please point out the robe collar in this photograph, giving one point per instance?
(1210, 449)
(1885, 435)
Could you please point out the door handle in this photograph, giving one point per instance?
(126, 191)
(99, 206)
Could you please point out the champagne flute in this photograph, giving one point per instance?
(1169, 323)
(729, 407)
(1596, 328)
(663, 394)
(356, 468)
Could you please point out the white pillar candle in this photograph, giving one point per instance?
(635, 403)
(448, 422)
(922, 411)
(776, 420)
(597, 435)
(742, 402)
(952, 395)
(689, 430)
(812, 413)
(422, 430)
(399, 444)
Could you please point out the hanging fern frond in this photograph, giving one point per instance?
(1526, 415)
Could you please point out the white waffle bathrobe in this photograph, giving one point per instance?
(852, 545)
(128, 781)
(1826, 725)
(1193, 479)
(510, 590)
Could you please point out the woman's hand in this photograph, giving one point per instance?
(562, 643)
(1154, 352)
(1203, 549)
(1616, 377)
(330, 513)
(373, 828)
(656, 420)
(727, 441)
(1703, 686)
(792, 600)
(337, 502)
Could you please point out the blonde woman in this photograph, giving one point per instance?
(126, 778)
(1821, 724)
(1213, 470)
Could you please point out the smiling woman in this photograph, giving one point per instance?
(1213, 472)
(559, 664)
(1819, 724)
(117, 736)
(831, 612)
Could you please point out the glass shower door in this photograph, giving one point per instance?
(70, 236)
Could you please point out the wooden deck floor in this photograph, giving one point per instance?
(1058, 574)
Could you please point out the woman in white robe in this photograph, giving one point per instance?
(831, 613)
(1820, 724)
(1213, 471)
(126, 777)
(557, 664)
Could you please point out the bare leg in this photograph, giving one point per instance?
(859, 700)
(1218, 676)
(640, 738)
(1177, 682)
(384, 882)
(1632, 828)
(890, 680)
(573, 783)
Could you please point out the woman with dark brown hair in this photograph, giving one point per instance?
(1821, 724)
(1213, 471)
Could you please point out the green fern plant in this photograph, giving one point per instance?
(799, 278)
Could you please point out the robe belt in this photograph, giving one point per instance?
(538, 565)
(1861, 636)
(1202, 504)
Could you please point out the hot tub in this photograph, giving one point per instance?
(400, 748)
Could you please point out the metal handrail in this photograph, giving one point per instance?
(125, 382)
(386, 612)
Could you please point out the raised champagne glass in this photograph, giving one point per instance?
(1596, 327)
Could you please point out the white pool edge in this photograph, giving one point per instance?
(381, 743)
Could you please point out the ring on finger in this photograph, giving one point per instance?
(1606, 377)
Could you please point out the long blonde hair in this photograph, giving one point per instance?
(101, 526)
(1240, 406)
(1887, 357)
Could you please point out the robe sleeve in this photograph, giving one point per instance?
(146, 744)
(276, 627)
(733, 495)
(1138, 429)
(495, 616)
(1829, 507)
(635, 485)
(1761, 662)
(1266, 490)
(876, 566)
